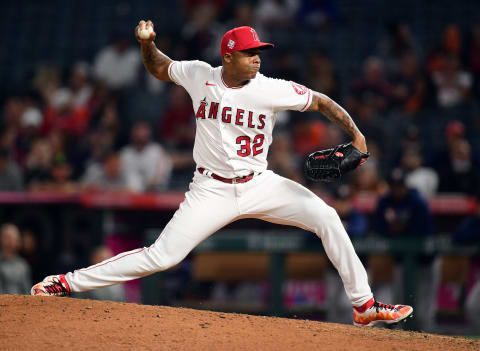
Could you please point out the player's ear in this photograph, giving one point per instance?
(227, 57)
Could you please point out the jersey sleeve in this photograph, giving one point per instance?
(289, 95)
(184, 73)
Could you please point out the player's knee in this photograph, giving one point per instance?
(331, 213)
(320, 211)
(329, 217)
(168, 261)
(163, 261)
(324, 219)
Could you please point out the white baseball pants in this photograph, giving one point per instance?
(210, 205)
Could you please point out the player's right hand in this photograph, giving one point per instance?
(145, 25)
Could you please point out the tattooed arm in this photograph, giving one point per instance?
(335, 113)
(154, 61)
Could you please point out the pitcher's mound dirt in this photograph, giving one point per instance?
(50, 323)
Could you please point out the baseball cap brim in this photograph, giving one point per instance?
(260, 45)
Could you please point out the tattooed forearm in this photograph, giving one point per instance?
(155, 62)
(335, 113)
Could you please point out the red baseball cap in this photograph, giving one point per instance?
(241, 38)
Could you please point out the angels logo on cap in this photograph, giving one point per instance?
(241, 38)
(255, 35)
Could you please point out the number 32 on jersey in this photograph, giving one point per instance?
(247, 145)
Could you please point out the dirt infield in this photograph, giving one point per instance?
(33, 322)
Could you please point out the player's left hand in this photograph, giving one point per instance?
(329, 165)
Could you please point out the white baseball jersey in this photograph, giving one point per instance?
(234, 124)
(234, 131)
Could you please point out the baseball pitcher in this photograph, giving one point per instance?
(235, 107)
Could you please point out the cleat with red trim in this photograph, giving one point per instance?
(374, 312)
(53, 285)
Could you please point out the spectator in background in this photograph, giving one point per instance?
(60, 179)
(243, 16)
(11, 121)
(408, 85)
(321, 75)
(458, 170)
(58, 143)
(62, 176)
(402, 212)
(118, 64)
(14, 270)
(412, 139)
(63, 116)
(177, 129)
(308, 136)
(31, 253)
(367, 179)
(177, 126)
(468, 233)
(38, 163)
(373, 87)
(474, 50)
(105, 133)
(46, 82)
(450, 46)
(453, 85)
(399, 42)
(106, 176)
(355, 223)
(12, 111)
(100, 142)
(80, 86)
(454, 131)
(111, 293)
(30, 123)
(145, 163)
(100, 97)
(276, 13)
(424, 179)
(473, 57)
(369, 98)
(11, 178)
(47, 165)
(202, 33)
(107, 121)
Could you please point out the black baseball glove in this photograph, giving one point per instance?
(330, 164)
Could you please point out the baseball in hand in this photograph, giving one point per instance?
(145, 33)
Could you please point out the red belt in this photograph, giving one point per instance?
(236, 180)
